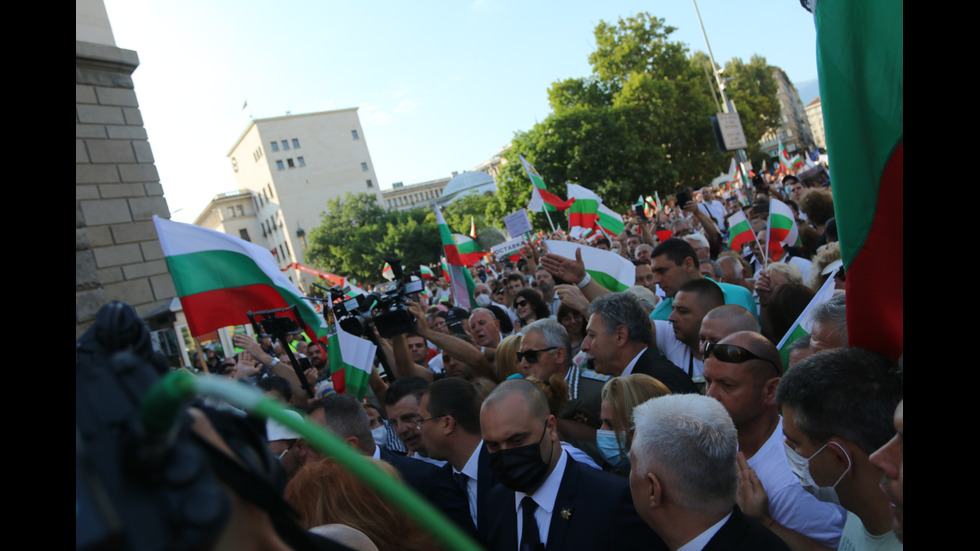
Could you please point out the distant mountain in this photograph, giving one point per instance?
(808, 90)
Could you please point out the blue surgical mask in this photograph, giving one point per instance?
(609, 448)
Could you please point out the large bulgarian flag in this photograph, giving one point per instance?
(541, 198)
(739, 231)
(469, 250)
(782, 228)
(351, 362)
(610, 222)
(219, 278)
(460, 279)
(860, 60)
(608, 269)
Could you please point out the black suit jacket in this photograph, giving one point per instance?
(435, 485)
(650, 363)
(593, 511)
(742, 533)
(485, 480)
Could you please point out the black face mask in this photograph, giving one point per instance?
(521, 469)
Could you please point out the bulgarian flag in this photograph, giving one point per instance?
(219, 278)
(461, 281)
(445, 269)
(583, 215)
(739, 231)
(860, 63)
(388, 272)
(782, 228)
(469, 250)
(472, 227)
(607, 268)
(351, 362)
(804, 324)
(648, 207)
(426, 272)
(786, 162)
(541, 198)
(609, 221)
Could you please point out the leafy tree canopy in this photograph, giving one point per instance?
(639, 123)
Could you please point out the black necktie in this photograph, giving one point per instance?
(462, 481)
(530, 538)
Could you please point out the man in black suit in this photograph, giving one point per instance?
(545, 499)
(344, 415)
(449, 423)
(619, 337)
(684, 477)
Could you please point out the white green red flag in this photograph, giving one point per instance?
(739, 231)
(804, 324)
(351, 362)
(426, 272)
(219, 278)
(469, 250)
(583, 215)
(463, 287)
(861, 66)
(472, 227)
(388, 272)
(610, 222)
(782, 229)
(607, 268)
(787, 163)
(541, 198)
(648, 207)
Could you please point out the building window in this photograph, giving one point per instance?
(290, 163)
(270, 190)
(364, 167)
(243, 233)
(370, 183)
(274, 145)
(285, 145)
(353, 134)
(300, 161)
(295, 143)
(231, 212)
(279, 165)
(241, 210)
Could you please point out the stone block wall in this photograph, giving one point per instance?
(117, 190)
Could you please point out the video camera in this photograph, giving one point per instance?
(386, 310)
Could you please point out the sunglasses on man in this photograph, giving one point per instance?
(532, 355)
(734, 354)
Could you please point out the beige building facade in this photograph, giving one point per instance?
(291, 166)
(794, 130)
(423, 194)
(814, 113)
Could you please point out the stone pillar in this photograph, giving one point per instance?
(117, 190)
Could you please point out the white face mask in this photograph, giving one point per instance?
(483, 300)
(801, 466)
(379, 434)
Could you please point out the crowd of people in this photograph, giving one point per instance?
(559, 415)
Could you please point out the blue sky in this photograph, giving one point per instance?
(441, 85)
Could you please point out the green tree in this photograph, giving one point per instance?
(640, 123)
(355, 235)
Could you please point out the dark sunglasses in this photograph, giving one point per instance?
(532, 355)
(521, 303)
(731, 353)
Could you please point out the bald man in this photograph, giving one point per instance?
(723, 321)
(547, 500)
(742, 372)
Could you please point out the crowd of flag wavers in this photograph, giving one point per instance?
(674, 377)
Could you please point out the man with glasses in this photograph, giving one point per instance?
(546, 350)
(449, 423)
(742, 372)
